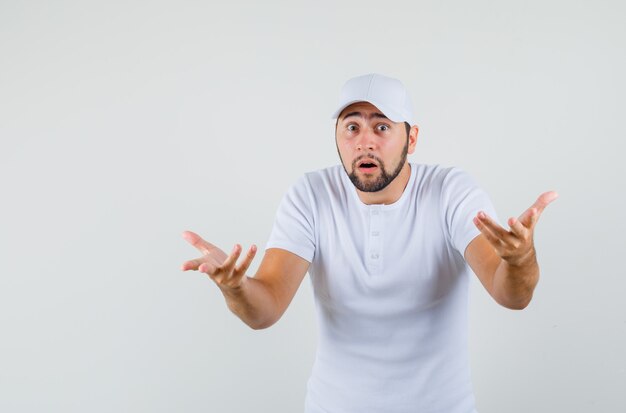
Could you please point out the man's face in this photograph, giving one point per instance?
(372, 148)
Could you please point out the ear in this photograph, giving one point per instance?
(413, 138)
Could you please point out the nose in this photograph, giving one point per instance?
(366, 140)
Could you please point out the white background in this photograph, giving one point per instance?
(123, 123)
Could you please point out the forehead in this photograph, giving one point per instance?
(364, 108)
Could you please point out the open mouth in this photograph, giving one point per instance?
(367, 165)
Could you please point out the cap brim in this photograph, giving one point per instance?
(392, 115)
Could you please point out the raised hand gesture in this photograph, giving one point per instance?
(516, 246)
(221, 268)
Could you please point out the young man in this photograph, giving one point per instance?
(390, 246)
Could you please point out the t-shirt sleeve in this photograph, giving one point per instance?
(294, 228)
(462, 198)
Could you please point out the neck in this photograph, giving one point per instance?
(391, 193)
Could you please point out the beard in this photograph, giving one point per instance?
(385, 177)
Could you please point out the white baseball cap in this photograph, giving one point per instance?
(386, 93)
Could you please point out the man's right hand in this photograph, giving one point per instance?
(258, 301)
(221, 268)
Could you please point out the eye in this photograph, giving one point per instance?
(351, 127)
(383, 127)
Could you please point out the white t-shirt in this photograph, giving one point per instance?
(391, 287)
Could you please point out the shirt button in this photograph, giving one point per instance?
(374, 212)
(375, 256)
(375, 233)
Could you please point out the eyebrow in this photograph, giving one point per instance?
(373, 115)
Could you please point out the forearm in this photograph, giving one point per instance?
(513, 285)
(253, 303)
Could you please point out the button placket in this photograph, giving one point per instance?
(375, 239)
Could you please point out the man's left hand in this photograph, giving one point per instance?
(516, 246)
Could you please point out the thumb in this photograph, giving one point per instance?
(532, 214)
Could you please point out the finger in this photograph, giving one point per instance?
(544, 200)
(192, 264)
(243, 267)
(495, 228)
(529, 216)
(518, 229)
(208, 268)
(540, 204)
(195, 240)
(490, 236)
(230, 261)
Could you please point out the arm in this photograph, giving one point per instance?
(505, 261)
(260, 301)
